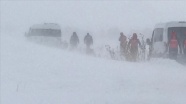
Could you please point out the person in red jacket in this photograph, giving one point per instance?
(173, 46)
(123, 43)
(133, 47)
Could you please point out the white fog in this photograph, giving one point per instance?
(42, 63)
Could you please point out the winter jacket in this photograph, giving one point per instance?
(88, 40)
(122, 39)
(74, 40)
(134, 42)
(173, 43)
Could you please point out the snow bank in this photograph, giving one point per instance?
(33, 74)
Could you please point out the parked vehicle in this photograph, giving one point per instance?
(162, 35)
(47, 33)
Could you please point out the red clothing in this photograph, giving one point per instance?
(173, 43)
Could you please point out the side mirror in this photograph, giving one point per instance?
(148, 41)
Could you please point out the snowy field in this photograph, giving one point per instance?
(35, 74)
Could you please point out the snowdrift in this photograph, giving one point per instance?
(34, 74)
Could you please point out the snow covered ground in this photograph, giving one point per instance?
(35, 74)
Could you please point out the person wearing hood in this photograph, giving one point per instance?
(133, 47)
(88, 40)
(74, 40)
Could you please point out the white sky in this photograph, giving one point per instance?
(90, 15)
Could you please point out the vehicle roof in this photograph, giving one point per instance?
(171, 24)
(46, 26)
(176, 24)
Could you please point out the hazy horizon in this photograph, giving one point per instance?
(91, 16)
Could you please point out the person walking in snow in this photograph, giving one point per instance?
(88, 40)
(123, 43)
(133, 47)
(74, 40)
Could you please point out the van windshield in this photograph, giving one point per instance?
(45, 32)
(180, 34)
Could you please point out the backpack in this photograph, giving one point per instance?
(173, 43)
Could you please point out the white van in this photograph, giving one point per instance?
(46, 29)
(161, 36)
(47, 33)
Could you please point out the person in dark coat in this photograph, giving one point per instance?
(88, 40)
(123, 44)
(74, 40)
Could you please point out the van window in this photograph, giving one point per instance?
(158, 35)
(46, 32)
(180, 34)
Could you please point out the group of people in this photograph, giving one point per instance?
(129, 49)
(74, 41)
